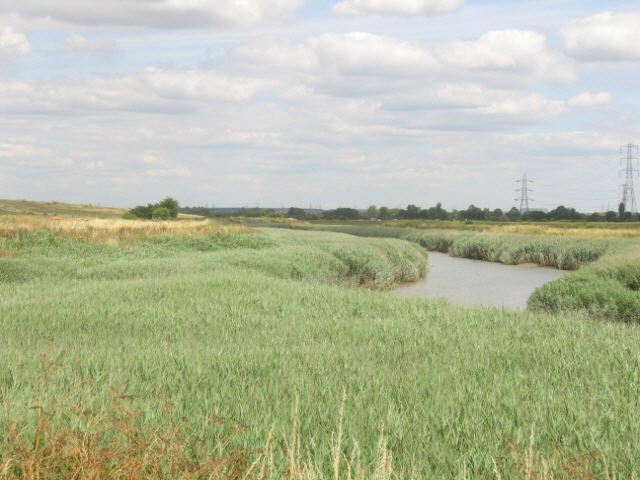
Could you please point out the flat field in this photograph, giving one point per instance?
(183, 354)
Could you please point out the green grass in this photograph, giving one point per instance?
(29, 207)
(61, 209)
(606, 289)
(239, 325)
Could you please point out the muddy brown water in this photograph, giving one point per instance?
(477, 283)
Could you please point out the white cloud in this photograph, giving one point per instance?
(606, 36)
(520, 52)
(148, 157)
(154, 13)
(78, 43)
(588, 99)
(364, 54)
(170, 172)
(396, 7)
(356, 63)
(12, 45)
(532, 106)
(152, 90)
(360, 84)
(21, 148)
(480, 100)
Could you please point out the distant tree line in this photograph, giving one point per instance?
(414, 212)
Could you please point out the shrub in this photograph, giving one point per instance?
(161, 213)
(169, 205)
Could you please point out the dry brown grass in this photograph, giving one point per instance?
(111, 231)
(552, 231)
(64, 441)
(530, 465)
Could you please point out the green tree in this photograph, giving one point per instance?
(383, 213)
(439, 212)
(161, 213)
(142, 211)
(372, 212)
(411, 212)
(514, 214)
(472, 213)
(611, 216)
(342, 214)
(297, 213)
(534, 216)
(621, 210)
(170, 204)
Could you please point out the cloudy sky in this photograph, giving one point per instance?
(322, 102)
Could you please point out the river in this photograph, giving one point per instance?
(477, 283)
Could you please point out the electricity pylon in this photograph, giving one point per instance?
(524, 193)
(628, 196)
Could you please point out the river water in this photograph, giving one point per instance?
(477, 283)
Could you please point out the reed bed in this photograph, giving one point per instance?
(561, 228)
(557, 252)
(569, 231)
(176, 329)
(561, 253)
(59, 439)
(608, 289)
(605, 284)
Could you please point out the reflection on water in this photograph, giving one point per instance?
(473, 282)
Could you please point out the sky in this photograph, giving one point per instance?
(323, 103)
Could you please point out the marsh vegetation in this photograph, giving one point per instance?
(605, 276)
(182, 354)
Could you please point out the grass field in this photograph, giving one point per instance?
(60, 209)
(27, 207)
(180, 356)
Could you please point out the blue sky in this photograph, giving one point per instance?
(287, 102)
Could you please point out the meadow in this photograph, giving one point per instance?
(225, 352)
(61, 209)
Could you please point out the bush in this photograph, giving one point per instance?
(169, 205)
(161, 213)
(129, 215)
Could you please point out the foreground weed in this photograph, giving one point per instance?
(562, 465)
(62, 439)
